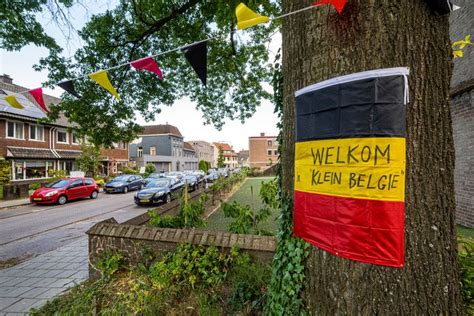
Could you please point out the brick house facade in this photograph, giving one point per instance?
(231, 159)
(263, 151)
(462, 111)
(34, 148)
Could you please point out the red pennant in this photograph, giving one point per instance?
(38, 96)
(148, 63)
(337, 4)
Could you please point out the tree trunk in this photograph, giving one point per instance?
(320, 44)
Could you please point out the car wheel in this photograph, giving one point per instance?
(125, 189)
(168, 198)
(94, 195)
(62, 200)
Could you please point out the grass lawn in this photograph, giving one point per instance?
(465, 232)
(244, 196)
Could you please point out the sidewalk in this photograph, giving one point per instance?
(12, 203)
(34, 282)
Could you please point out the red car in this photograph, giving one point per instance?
(65, 190)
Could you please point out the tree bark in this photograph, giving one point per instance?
(320, 44)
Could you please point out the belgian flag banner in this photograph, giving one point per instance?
(350, 165)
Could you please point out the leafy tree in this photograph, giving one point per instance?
(134, 29)
(220, 158)
(89, 159)
(203, 165)
(150, 168)
(18, 25)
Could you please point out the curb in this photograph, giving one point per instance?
(14, 205)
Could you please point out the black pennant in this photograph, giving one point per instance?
(441, 7)
(68, 86)
(197, 56)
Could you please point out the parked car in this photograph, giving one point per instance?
(153, 176)
(175, 174)
(124, 183)
(191, 181)
(65, 190)
(159, 190)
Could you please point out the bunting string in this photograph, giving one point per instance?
(195, 53)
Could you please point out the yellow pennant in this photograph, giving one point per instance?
(458, 54)
(247, 18)
(458, 46)
(102, 79)
(13, 102)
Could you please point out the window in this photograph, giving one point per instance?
(37, 133)
(275, 152)
(269, 152)
(140, 152)
(62, 136)
(152, 151)
(269, 143)
(76, 184)
(15, 130)
(76, 139)
(89, 182)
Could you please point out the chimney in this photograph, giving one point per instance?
(6, 79)
(262, 134)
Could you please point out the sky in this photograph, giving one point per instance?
(183, 114)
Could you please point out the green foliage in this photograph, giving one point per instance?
(56, 174)
(100, 182)
(189, 216)
(34, 186)
(132, 30)
(18, 25)
(5, 170)
(127, 170)
(291, 252)
(150, 168)
(89, 160)
(220, 158)
(193, 265)
(204, 165)
(109, 263)
(246, 219)
(466, 262)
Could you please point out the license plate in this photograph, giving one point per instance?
(109, 190)
(145, 200)
(37, 199)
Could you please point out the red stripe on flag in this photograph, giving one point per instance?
(370, 231)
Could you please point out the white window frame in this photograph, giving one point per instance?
(74, 143)
(154, 151)
(36, 131)
(139, 152)
(14, 130)
(62, 131)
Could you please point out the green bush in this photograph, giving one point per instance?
(204, 165)
(5, 171)
(127, 170)
(56, 174)
(34, 186)
(109, 263)
(466, 262)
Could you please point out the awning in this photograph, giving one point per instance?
(35, 153)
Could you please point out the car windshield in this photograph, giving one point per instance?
(158, 184)
(154, 175)
(121, 178)
(58, 184)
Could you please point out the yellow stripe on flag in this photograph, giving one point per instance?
(247, 18)
(11, 99)
(102, 79)
(366, 168)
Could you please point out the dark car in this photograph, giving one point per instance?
(153, 176)
(124, 183)
(159, 190)
(65, 190)
(191, 181)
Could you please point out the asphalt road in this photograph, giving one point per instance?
(30, 230)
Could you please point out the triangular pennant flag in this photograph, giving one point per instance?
(337, 4)
(248, 18)
(197, 56)
(463, 43)
(102, 79)
(68, 86)
(37, 94)
(11, 99)
(148, 63)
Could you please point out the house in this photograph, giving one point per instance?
(33, 147)
(263, 151)
(462, 113)
(204, 151)
(163, 146)
(230, 156)
(243, 158)
(192, 161)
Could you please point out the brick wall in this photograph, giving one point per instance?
(462, 110)
(115, 154)
(259, 149)
(133, 241)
